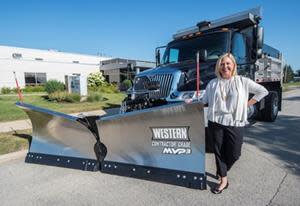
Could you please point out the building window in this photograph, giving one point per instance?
(33, 79)
(17, 55)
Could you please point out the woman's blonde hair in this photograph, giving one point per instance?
(218, 65)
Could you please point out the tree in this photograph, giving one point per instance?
(297, 73)
(288, 73)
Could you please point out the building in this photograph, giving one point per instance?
(116, 70)
(35, 67)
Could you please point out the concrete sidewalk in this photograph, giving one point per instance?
(13, 156)
(26, 123)
(15, 125)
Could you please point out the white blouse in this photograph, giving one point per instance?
(227, 99)
(226, 102)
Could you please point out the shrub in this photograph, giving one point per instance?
(95, 97)
(54, 86)
(125, 85)
(96, 80)
(58, 96)
(63, 96)
(73, 97)
(109, 88)
(6, 90)
(15, 90)
(30, 89)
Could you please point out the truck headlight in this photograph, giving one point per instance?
(188, 95)
(174, 95)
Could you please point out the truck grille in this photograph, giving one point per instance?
(165, 81)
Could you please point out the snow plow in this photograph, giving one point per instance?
(164, 144)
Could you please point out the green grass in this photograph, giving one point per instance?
(9, 112)
(290, 85)
(14, 141)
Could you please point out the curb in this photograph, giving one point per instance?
(12, 156)
(24, 124)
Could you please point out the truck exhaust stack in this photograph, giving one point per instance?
(164, 144)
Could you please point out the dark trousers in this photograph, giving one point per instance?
(227, 141)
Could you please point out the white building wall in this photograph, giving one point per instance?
(55, 64)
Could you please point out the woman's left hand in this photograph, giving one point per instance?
(251, 102)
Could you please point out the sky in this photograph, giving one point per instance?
(134, 28)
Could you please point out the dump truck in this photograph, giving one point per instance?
(188, 64)
(157, 135)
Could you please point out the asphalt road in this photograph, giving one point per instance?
(268, 173)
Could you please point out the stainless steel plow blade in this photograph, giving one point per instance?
(164, 144)
(60, 140)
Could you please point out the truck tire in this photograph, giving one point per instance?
(270, 112)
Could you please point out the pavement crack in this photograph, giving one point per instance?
(277, 191)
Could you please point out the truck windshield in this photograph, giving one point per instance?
(178, 51)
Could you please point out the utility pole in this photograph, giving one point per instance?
(285, 73)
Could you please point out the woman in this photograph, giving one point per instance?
(227, 99)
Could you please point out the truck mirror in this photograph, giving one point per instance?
(157, 56)
(158, 52)
(259, 41)
(202, 55)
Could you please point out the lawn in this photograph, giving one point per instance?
(9, 112)
(14, 141)
(290, 85)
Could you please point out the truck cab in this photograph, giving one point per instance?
(175, 77)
